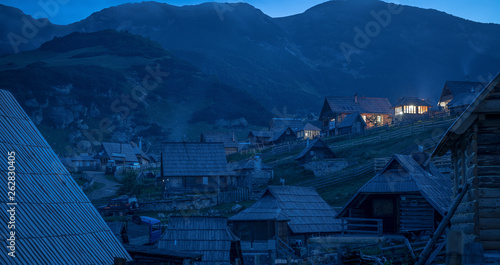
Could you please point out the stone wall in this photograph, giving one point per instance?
(326, 167)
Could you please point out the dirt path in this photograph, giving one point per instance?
(109, 188)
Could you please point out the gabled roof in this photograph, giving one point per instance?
(364, 105)
(307, 211)
(318, 143)
(462, 99)
(209, 236)
(263, 134)
(309, 127)
(432, 185)
(278, 123)
(227, 138)
(279, 132)
(468, 117)
(458, 87)
(410, 101)
(349, 120)
(139, 152)
(120, 150)
(57, 223)
(193, 159)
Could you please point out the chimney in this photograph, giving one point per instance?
(356, 97)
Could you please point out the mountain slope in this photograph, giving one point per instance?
(116, 86)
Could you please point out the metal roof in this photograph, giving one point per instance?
(466, 119)
(412, 178)
(209, 236)
(56, 223)
(193, 159)
(307, 211)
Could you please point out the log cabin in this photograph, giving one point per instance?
(410, 196)
(317, 150)
(351, 124)
(457, 95)
(308, 131)
(474, 142)
(410, 109)
(227, 138)
(375, 111)
(55, 222)
(121, 153)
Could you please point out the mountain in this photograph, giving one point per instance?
(109, 85)
(295, 61)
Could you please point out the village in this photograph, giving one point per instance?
(363, 182)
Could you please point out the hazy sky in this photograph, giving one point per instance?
(68, 11)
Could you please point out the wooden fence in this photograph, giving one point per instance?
(233, 196)
(361, 226)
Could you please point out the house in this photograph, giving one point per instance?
(196, 167)
(351, 124)
(308, 131)
(254, 171)
(408, 195)
(283, 135)
(284, 215)
(150, 255)
(317, 150)
(227, 138)
(122, 153)
(457, 95)
(208, 236)
(410, 108)
(280, 123)
(259, 137)
(143, 159)
(82, 162)
(55, 222)
(374, 111)
(474, 142)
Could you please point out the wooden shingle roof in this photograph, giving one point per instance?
(227, 138)
(120, 150)
(307, 211)
(349, 120)
(55, 222)
(413, 101)
(193, 159)
(209, 236)
(318, 143)
(364, 105)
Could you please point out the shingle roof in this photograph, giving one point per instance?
(228, 138)
(307, 211)
(279, 132)
(278, 123)
(57, 223)
(119, 149)
(318, 143)
(209, 236)
(364, 105)
(193, 159)
(349, 120)
(457, 87)
(462, 99)
(263, 134)
(309, 127)
(407, 101)
(433, 186)
(466, 119)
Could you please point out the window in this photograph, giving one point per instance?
(379, 119)
(205, 180)
(422, 109)
(399, 110)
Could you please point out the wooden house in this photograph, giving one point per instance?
(83, 162)
(409, 195)
(55, 222)
(308, 131)
(457, 95)
(151, 255)
(317, 150)
(374, 111)
(351, 124)
(259, 137)
(227, 138)
(283, 216)
(283, 135)
(474, 142)
(142, 157)
(196, 167)
(208, 236)
(254, 171)
(121, 153)
(410, 108)
(280, 123)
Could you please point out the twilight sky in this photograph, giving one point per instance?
(68, 11)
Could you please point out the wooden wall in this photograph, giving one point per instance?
(415, 213)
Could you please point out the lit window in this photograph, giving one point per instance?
(379, 118)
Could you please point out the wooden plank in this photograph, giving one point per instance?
(490, 235)
(488, 106)
(488, 170)
(489, 223)
(489, 202)
(467, 228)
(491, 245)
(488, 149)
(489, 193)
(488, 139)
(488, 160)
(489, 213)
(464, 218)
(468, 207)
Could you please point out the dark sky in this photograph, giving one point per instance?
(68, 11)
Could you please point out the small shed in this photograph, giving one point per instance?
(409, 195)
(259, 137)
(121, 153)
(283, 135)
(308, 131)
(208, 236)
(351, 124)
(411, 108)
(196, 167)
(474, 143)
(227, 138)
(316, 150)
